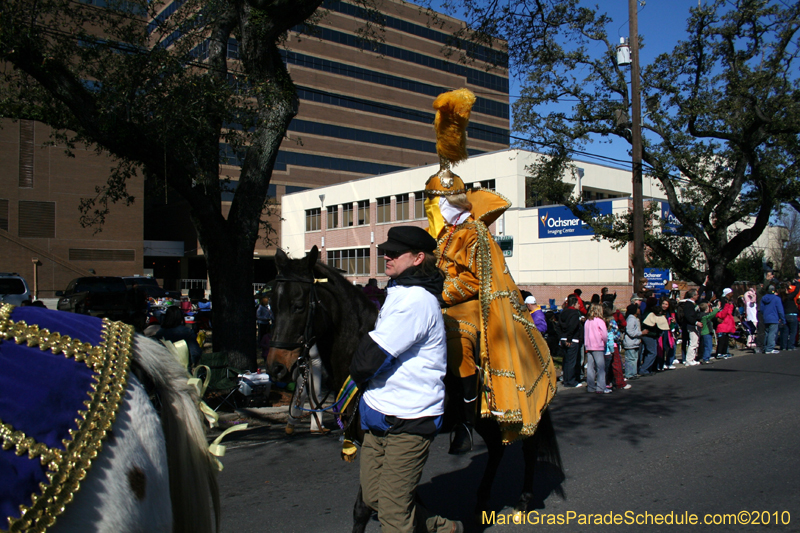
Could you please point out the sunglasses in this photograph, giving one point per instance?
(393, 255)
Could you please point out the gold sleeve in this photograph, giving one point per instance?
(458, 261)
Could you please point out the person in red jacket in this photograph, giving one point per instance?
(580, 307)
(725, 324)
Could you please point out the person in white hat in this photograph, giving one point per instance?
(539, 320)
(725, 325)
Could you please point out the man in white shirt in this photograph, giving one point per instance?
(400, 366)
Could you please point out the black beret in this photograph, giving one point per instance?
(405, 238)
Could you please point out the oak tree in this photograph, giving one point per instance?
(160, 90)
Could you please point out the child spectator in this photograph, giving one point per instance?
(726, 324)
(632, 340)
(706, 334)
(595, 337)
(666, 343)
(614, 373)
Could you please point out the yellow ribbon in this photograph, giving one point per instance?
(218, 450)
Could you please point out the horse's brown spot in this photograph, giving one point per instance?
(138, 482)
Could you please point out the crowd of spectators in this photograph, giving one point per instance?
(603, 346)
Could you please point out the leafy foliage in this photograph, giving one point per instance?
(749, 266)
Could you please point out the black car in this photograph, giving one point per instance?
(101, 296)
(149, 286)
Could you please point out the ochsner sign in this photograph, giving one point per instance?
(560, 222)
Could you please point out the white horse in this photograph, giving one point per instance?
(153, 472)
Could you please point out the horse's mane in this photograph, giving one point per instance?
(322, 270)
(192, 469)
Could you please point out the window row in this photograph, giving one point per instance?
(402, 210)
(354, 262)
(361, 218)
(482, 105)
(475, 51)
(229, 156)
(474, 76)
(475, 130)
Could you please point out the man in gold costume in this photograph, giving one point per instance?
(492, 344)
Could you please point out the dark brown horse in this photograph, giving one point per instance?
(313, 303)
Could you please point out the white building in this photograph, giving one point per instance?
(549, 252)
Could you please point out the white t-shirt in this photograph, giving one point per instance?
(410, 328)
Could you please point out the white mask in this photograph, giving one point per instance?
(452, 214)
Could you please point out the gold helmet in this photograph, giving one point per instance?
(452, 116)
(444, 183)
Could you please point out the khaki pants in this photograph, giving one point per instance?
(391, 468)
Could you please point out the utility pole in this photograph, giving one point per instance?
(636, 134)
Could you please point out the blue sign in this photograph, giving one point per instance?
(671, 225)
(561, 222)
(656, 277)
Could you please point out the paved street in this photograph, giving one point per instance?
(709, 439)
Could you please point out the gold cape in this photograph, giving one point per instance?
(519, 377)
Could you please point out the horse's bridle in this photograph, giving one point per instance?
(308, 333)
(309, 339)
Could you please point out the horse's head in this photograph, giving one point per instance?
(291, 302)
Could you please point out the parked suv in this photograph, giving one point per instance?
(102, 296)
(150, 286)
(13, 288)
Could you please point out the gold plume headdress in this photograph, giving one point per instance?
(452, 117)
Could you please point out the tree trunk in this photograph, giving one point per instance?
(230, 273)
(719, 276)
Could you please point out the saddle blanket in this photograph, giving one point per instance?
(63, 378)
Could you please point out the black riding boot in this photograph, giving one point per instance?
(461, 438)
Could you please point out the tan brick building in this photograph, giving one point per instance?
(40, 191)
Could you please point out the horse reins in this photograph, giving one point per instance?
(309, 339)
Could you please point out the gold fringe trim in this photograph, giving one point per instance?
(66, 469)
(502, 373)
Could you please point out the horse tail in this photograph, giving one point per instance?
(547, 445)
(192, 469)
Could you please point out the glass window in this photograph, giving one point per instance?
(333, 217)
(384, 209)
(482, 105)
(475, 130)
(402, 207)
(313, 217)
(363, 212)
(347, 215)
(484, 184)
(354, 262)
(419, 204)
(381, 263)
